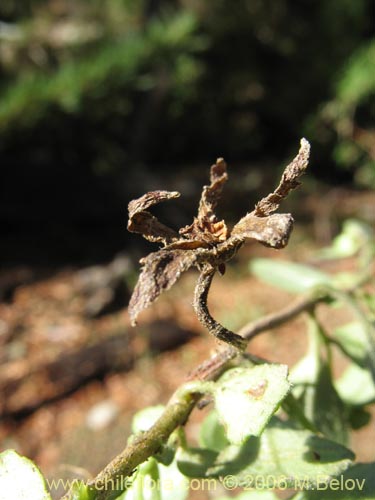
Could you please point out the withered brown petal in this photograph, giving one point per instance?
(211, 194)
(160, 271)
(149, 199)
(143, 222)
(204, 232)
(289, 181)
(272, 231)
(186, 244)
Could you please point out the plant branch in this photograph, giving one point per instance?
(111, 481)
(178, 409)
(214, 366)
(204, 316)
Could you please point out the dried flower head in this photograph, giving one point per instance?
(207, 243)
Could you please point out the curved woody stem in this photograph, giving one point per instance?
(204, 316)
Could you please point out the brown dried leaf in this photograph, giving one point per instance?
(143, 222)
(160, 271)
(185, 244)
(289, 181)
(206, 227)
(211, 194)
(272, 231)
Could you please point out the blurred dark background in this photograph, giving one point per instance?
(101, 100)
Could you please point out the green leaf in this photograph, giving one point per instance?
(212, 433)
(20, 478)
(305, 372)
(359, 417)
(328, 411)
(357, 482)
(357, 341)
(313, 386)
(293, 407)
(246, 399)
(173, 484)
(195, 462)
(353, 340)
(166, 455)
(356, 386)
(283, 457)
(369, 300)
(354, 235)
(295, 278)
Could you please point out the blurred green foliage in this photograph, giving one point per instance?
(244, 78)
(99, 98)
(94, 76)
(350, 115)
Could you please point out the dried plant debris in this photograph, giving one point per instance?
(207, 243)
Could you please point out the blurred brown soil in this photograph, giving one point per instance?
(46, 321)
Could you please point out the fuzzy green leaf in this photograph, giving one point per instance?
(195, 462)
(328, 410)
(305, 372)
(20, 478)
(356, 386)
(353, 237)
(285, 455)
(353, 340)
(155, 481)
(246, 399)
(212, 433)
(295, 278)
(314, 388)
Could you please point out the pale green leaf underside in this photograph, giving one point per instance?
(20, 478)
(246, 399)
(354, 341)
(356, 386)
(289, 276)
(155, 481)
(212, 433)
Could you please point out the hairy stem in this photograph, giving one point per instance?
(111, 481)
